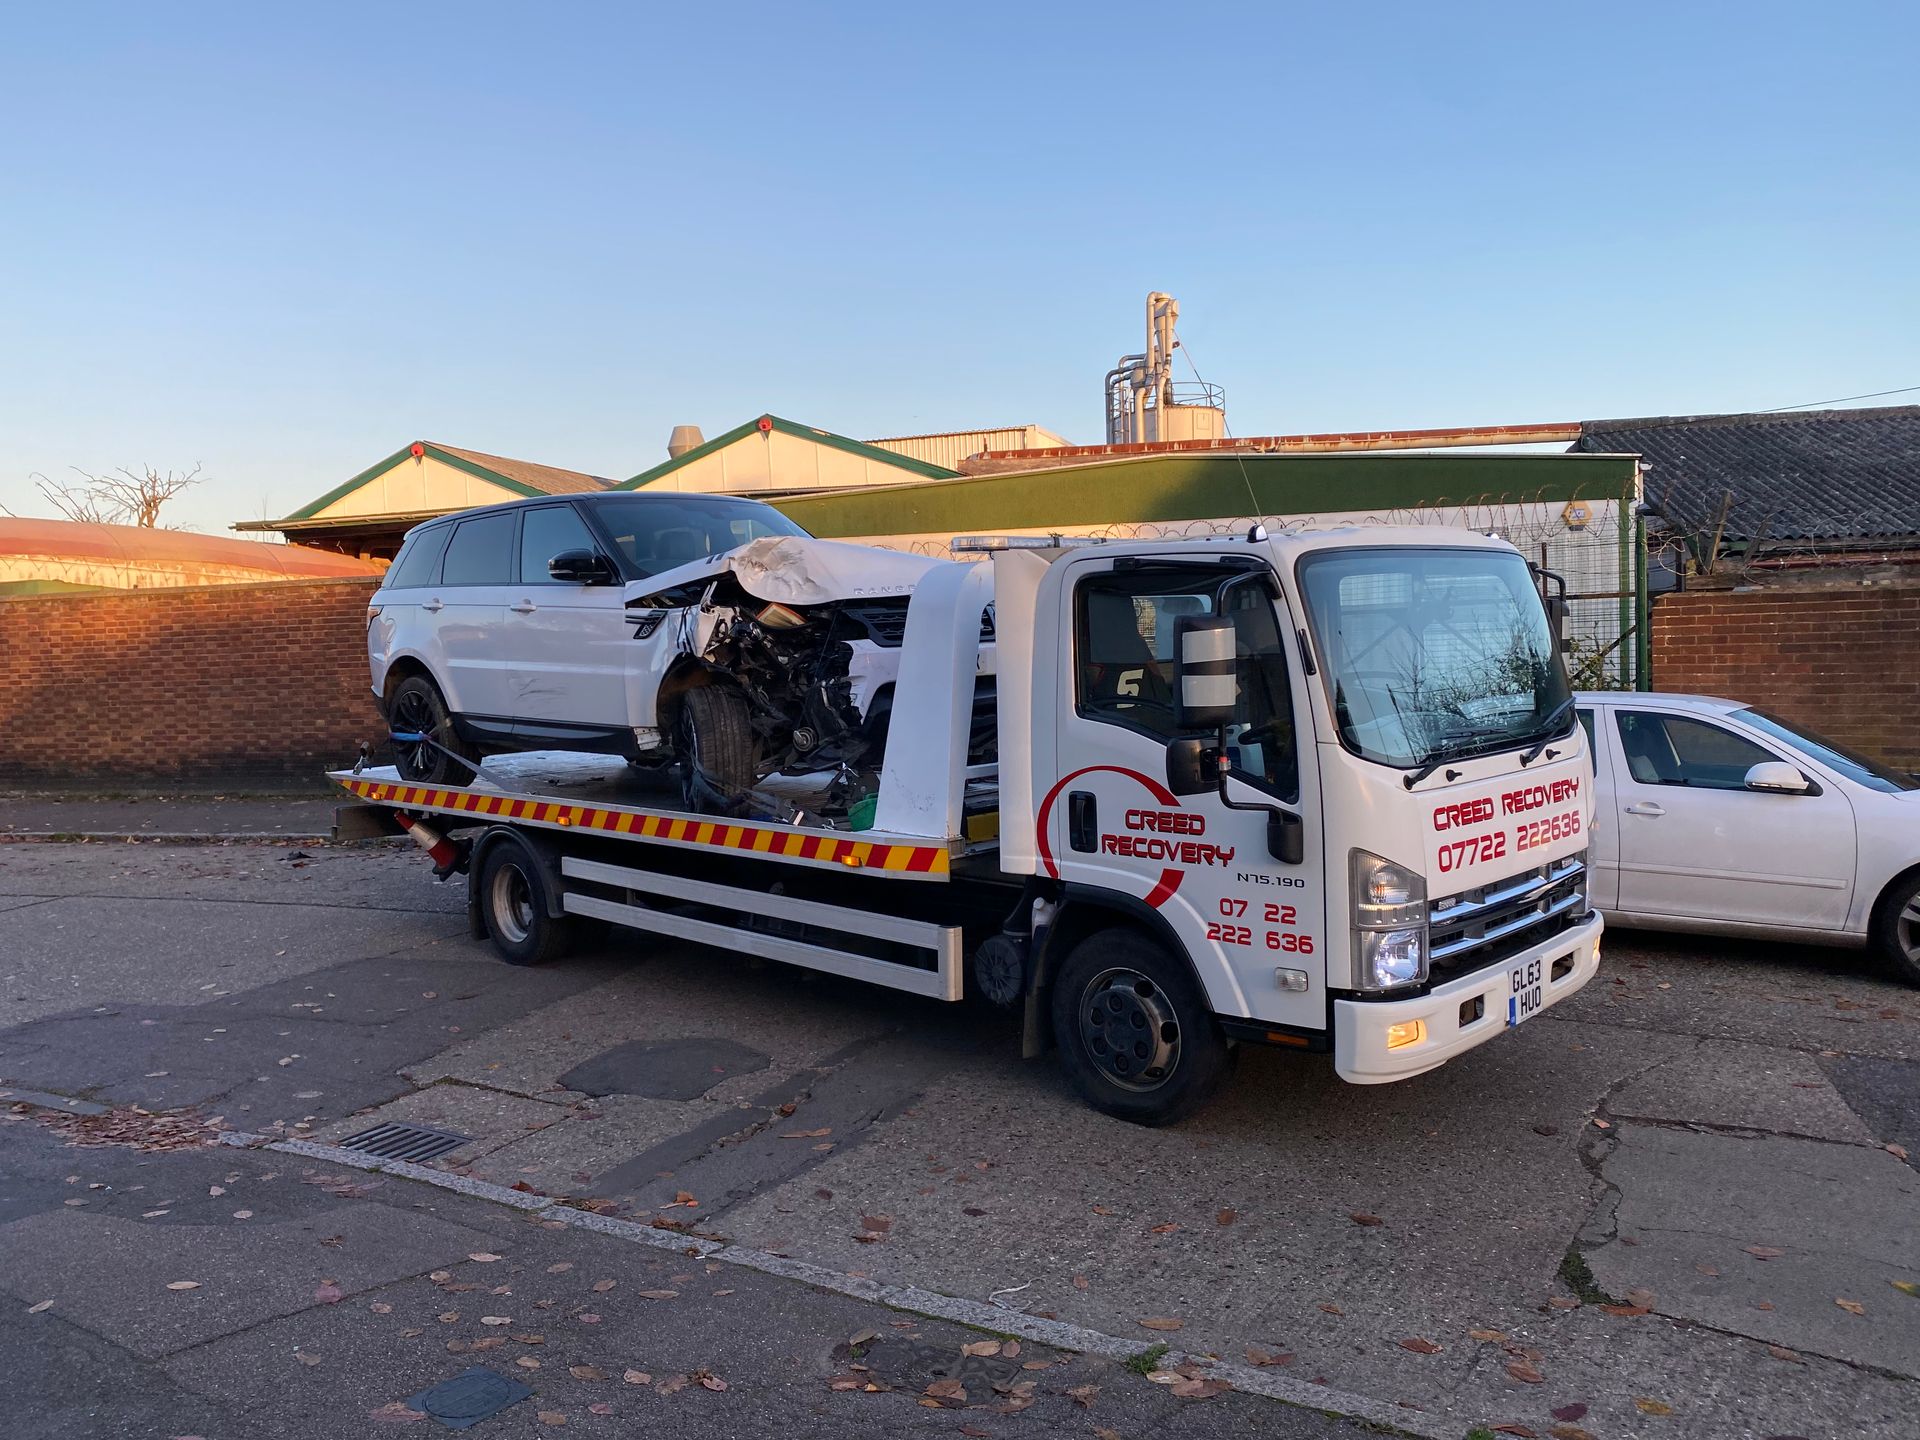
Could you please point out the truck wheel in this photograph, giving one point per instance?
(1896, 929)
(713, 743)
(416, 708)
(1135, 1032)
(513, 903)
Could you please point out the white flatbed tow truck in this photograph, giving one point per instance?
(1323, 790)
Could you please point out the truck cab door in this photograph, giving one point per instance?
(1252, 924)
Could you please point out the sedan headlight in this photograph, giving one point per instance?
(1389, 923)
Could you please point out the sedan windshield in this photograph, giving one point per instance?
(656, 533)
(1855, 767)
(1432, 654)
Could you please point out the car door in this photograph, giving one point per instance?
(568, 642)
(1695, 842)
(467, 610)
(1108, 819)
(1603, 840)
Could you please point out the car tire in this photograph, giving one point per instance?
(1135, 1033)
(513, 903)
(416, 707)
(1896, 928)
(714, 746)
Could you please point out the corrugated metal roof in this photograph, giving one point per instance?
(1807, 475)
(545, 478)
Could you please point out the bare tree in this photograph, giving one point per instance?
(125, 497)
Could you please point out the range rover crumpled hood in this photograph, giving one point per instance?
(798, 570)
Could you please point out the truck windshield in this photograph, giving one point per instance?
(1433, 655)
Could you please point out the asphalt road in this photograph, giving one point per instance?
(1638, 1215)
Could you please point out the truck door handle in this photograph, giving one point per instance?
(525, 607)
(1083, 821)
(1647, 808)
(433, 604)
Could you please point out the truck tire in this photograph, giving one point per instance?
(713, 744)
(1136, 1035)
(416, 707)
(1896, 928)
(513, 903)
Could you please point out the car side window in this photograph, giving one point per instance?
(481, 551)
(1124, 624)
(546, 531)
(419, 559)
(1679, 750)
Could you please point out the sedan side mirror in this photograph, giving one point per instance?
(1205, 685)
(581, 567)
(1776, 777)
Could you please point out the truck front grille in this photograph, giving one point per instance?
(1482, 926)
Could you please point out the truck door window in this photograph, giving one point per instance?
(1675, 750)
(1123, 640)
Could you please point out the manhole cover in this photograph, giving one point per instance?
(469, 1398)
(405, 1142)
(675, 1070)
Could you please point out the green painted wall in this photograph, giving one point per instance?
(1203, 487)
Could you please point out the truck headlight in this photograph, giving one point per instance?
(1389, 923)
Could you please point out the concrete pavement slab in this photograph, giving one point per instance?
(65, 1383)
(1757, 1087)
(1885, 1094)
(1766, 1236)
(492, 1117)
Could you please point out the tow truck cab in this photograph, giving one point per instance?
(1337, 771)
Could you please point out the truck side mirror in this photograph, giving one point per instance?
(1193, 765)
(1206, 685)
(581, 567)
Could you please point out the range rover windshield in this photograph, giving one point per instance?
(1434, 655)
(655, 533)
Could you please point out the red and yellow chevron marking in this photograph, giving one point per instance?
(721, 834)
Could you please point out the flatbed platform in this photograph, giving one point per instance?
(594, 795)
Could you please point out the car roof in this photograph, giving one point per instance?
(1659, 699)
(597, 498)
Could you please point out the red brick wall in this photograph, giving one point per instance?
(1843, 659)
(221, 682)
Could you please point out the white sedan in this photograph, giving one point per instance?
(1713, 816)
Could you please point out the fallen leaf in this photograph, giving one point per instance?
(1166, 1229)
(710, 1382)
(1510, 1429)
(1360, 1217)
(820, 1134)
(586, 1372)
(1706, 1269)
(586, 1318)
(1907, 1287)
(1852, 1307)
(306, 1358)
(1781, 1352)
(496, 1319)
(216, 1190)
(1764, 1252)
(1419, 1345)
(551, 1417)
(43, 1305)
(1563, 1302)
(981, 1347)
(1647, 1406)
(448, 1317)
(1488, 1334)
(1080, 1282)
(1331, 1308)
(600, 1407)
(396, 1413)
(1641, 1296)
(1600, 1124)
(440, 1277)
(1569, 1432)
(329, 1293)
(1899, 1152)
(1101, 1210)
(659, 1294)
(1160, 1322)
(484, 1257)
(1523, 1372)
(879, 1224)
(1763, 1304)
(602, 1286)
(948, 1389)
(1083, 1395)
(1268, 1357)
(526, 1362)
(183, 1285)
(1010, 1350)
(977, 1432)
(1191, 1389)
(672, 1385)
(637, 1377)
(1100, 1432)
(1575, 1411)
(1226, 1217)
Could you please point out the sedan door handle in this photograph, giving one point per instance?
(434, 604)
(1647, 808)
(525, 607)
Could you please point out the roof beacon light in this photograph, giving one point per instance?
(1257, 533)
(984, 544)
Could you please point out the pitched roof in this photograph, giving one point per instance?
(803, 432)
(547, 479)
(1809, 475)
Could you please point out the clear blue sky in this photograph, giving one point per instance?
(284, 240)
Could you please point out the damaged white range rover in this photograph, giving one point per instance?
(700, 630)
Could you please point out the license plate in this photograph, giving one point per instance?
(1529, 991)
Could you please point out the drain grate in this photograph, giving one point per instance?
(405, 1142)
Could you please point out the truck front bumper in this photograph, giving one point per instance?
(1448, 1019)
